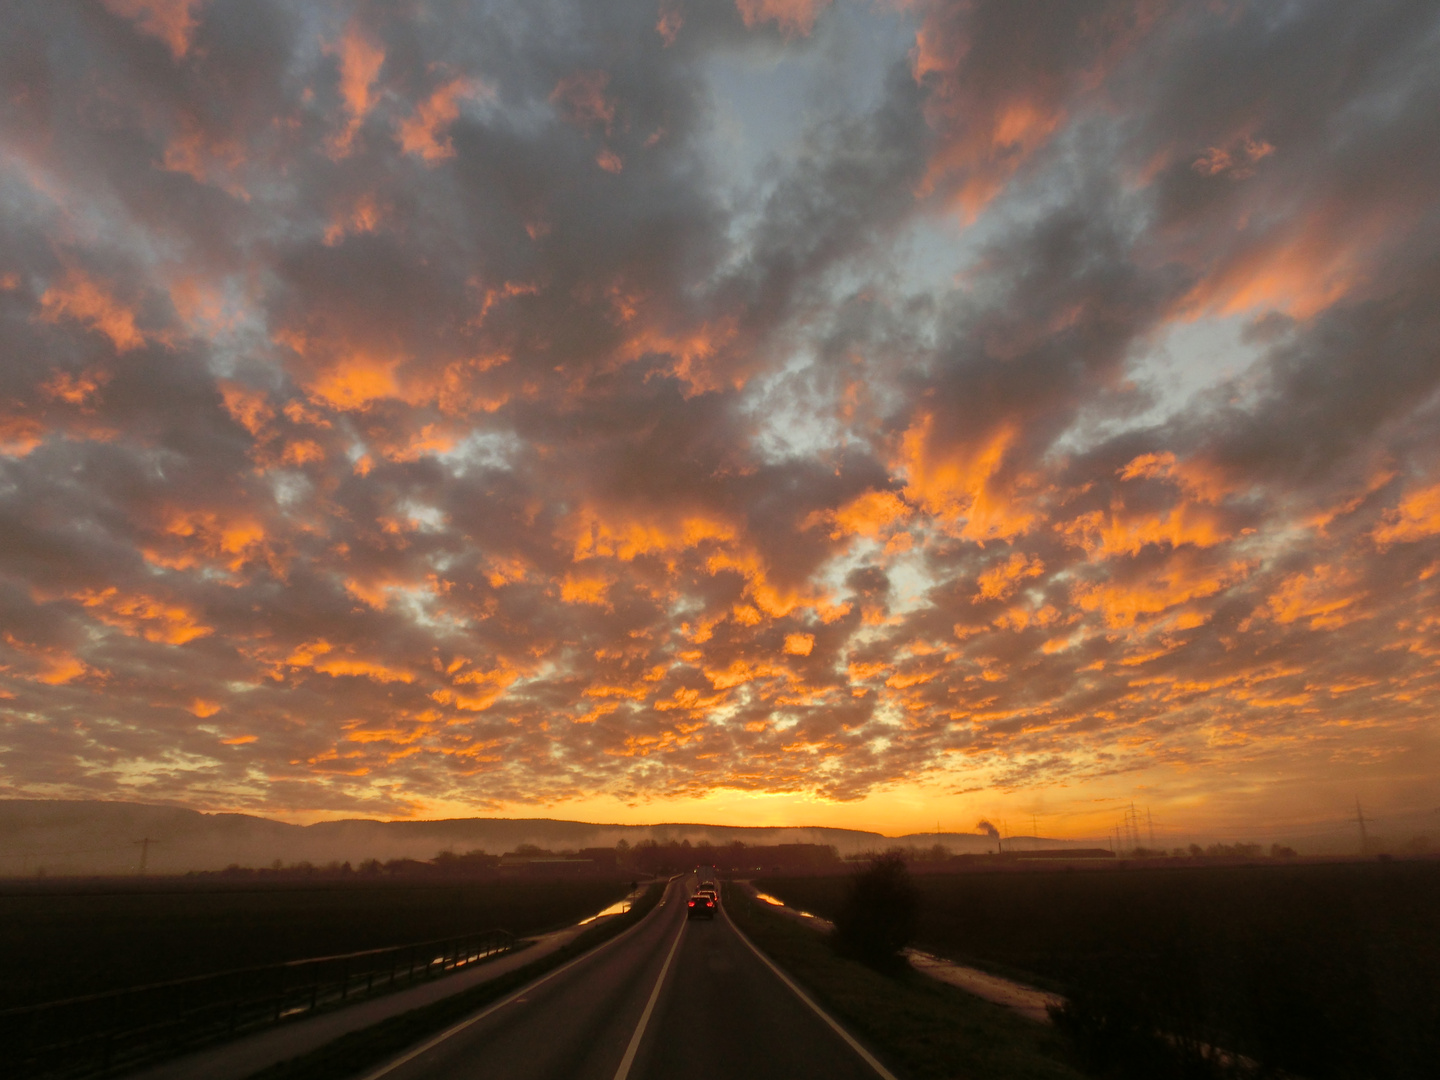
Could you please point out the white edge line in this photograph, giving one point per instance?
(391, 1066)
(634, 1047)
(808, 1000)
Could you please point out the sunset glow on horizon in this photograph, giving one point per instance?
(869, 413)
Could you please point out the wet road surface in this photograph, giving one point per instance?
(719, 1012)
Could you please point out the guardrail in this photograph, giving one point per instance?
(109, 1033)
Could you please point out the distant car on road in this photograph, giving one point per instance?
(702, 905)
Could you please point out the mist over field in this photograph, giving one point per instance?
(92, 837)
(104, 838)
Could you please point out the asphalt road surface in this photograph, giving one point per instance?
(719, 1011)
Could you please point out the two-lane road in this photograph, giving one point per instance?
(719, 1012)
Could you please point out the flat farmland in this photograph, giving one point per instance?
(67, 939)
(1324, 970)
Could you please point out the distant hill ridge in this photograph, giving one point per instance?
(98, 837)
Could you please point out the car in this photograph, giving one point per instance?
(702, 905)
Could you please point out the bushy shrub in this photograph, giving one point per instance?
(881, 912)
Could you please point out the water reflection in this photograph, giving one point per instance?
(617, 908)
(781, 903)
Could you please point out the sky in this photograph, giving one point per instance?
(873, 414)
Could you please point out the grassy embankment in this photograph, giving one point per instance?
(925, 1028)
(350, 1054)
(1324, 971)
(73, 940)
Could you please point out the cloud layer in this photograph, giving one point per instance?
(494, 405)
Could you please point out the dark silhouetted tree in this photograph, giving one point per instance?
(880, 913)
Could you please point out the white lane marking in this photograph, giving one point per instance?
(885, 1073)
(630, 1051)
(518, 995)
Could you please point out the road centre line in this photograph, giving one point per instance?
(425, 1047)
(870, 1060)
(629, 1059)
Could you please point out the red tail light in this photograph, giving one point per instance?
(692, 903)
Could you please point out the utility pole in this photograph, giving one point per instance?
(1360, 819)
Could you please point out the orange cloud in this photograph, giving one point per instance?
(354, 381)
(62, 669)
(363, 216)
(1117, 533)
(1417, 517)
(1322, 596)
(143, 616)
(85, 301)
(582, 98)
(1195, 478)
(420, 133)
(1300, 268)
(1238, 162)
(249, 408)
(319, 655)
(688, 699)
(1000, 580)
(19, 435)
(172, 21)
(201, 305)
(584, 590)
(984, 159)
(799, 644)
(740, 672)
(791, 16)
(202, 708)
(1181, 581)
(690, 352)
(869, 515)
(230, 541)
(629, 538)
(205, 160)
(430, 440)
(492, 685)
(360, 63)
(670, 22)
(634, 693)
(960, 485)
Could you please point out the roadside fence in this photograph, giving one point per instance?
(122, 1030)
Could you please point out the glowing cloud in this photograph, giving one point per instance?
(422, 132)
(792, 16)
(143, 616)
(172, 21)
(360, 63)
(80, 298)
(1416, 518)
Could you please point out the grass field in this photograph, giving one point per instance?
(927, 1029)
(1323, 970)
(72, 939)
